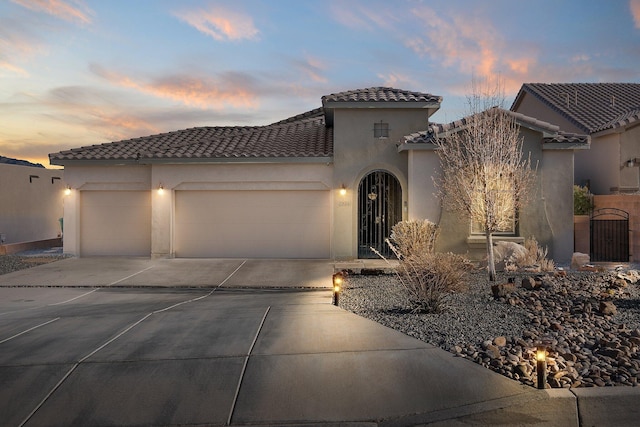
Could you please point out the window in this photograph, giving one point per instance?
(381, 130)
(495, 199)
(510, 230)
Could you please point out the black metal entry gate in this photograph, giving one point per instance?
(379, 209)
(609, 235)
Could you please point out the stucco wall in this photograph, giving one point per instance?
(600, 166)
(548, 216)
(630, 149)
(30, 211)
(533, 107)
(230, 176)
(356, 153)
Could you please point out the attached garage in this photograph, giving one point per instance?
(252, 224)
(115, 223)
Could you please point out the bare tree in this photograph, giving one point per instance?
(484, 173)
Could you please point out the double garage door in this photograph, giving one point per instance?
(211, 224)
(252, 224)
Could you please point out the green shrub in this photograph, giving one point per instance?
(582, 200)
(414, 237)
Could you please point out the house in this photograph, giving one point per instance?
(30, 202)
(609, 113)
(328, 183)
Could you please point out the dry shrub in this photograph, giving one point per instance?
(414, 237)
(430, 278)
(534, 257)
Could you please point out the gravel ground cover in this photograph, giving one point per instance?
(10, 263)
(589, 322)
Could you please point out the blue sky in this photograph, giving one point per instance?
(82, 72)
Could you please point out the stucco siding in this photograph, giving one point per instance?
(533, 107)
(31, 203)
(600, 166)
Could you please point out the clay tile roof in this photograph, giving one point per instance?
(592, 107)
(551, 132)
(303, 135)
(380, 94)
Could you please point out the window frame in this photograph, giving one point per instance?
(381, 130)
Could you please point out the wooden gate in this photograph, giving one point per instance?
(609, 235)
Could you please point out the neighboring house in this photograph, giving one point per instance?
(328, 183)
(549, 214)
(30, 202)
(609, 113)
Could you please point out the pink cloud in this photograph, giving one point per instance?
(634, 5)
(60, 9)
(472, 45)
(221, 24)
(228, 90)
(4, 65)
(313, 68)
(362, 16)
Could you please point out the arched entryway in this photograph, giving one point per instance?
(379, 209)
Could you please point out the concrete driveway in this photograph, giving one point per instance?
(128, 272)
(213, 344)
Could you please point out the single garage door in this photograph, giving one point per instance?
(252, 224)
(115, 223)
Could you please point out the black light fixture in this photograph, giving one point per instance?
(631, 163)
(338, 279)
(541, 366)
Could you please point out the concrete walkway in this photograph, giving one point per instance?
(237, 351)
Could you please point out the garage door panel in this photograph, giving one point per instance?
(253, 224)
(115, 223)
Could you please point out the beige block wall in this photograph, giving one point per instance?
(30, 209)
(631, 204)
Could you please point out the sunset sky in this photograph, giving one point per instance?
(82, 72)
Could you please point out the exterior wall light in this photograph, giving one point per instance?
(338, 279)
(343, 190)
(67, 191)
(161, 190)
(541, 367)
(631, 163)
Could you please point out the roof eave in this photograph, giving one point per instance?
(236, 160)
(417, 146)
(383, 104)
(93, 162)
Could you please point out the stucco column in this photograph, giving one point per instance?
(162, 223)
(422, 198)
(71, 223)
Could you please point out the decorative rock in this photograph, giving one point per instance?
(493, 351)
(529, 283)
(579, 260)
(500, 341)
(607, 308)
(502, 290)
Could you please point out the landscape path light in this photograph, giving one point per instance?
(541, 366)
(338, 280)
